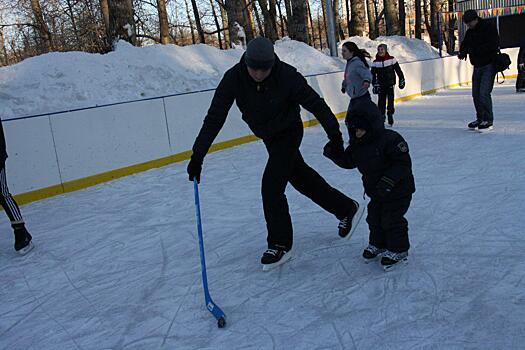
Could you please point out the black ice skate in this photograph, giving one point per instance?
(485, 126)
(473, 125)
(274, 257)
(372, 253)
(23, 244)
(390, 259)
(348, 224)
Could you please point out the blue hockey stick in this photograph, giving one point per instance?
(212, 307)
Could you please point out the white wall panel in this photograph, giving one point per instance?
(32, 163)
(97, 140)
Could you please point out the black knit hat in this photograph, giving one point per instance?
(469, 16)
(259, 54)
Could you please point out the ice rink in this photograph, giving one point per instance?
(116, 266)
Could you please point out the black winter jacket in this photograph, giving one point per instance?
(481, 43)
(379, 153)
(270, 108)
(384, 71)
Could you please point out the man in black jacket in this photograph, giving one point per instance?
(520, 82)
(481, 44)
(23, 242)
(269, 94)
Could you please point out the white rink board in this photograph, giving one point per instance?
(32, 163)
(98, 140)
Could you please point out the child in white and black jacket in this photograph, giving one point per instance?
(384, 70)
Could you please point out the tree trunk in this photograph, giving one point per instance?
(436, 6)
(5, 57)
(417, 4)
(165, 37)
(224, 17)
(391, 19)
(190, 20)
(325, 24)
(427, 20)
(73, 25)
(299, 21)
(258, 19)
(269, 13)
(198, 21)
(451, 29)
(217, 25)
(288, 7)
(312, 25)
(235, 18)
(121, 22)
(319, 29)
(249, 28)
(104, 9)
(337, 21)
(402, 18)
(45, 39)
(283, 22)
(372, 33)
(358, 22)
(348, 22)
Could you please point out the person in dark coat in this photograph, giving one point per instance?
(384, 70)
(23, 239)
(382, 157)
(269, 94)
(481, 44)
(520, 81)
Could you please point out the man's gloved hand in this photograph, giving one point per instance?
(402, 84)
(334, 147)
(521, 66)
(462, 55)
(385, 186)
(194, 169)
(343, 90)
(376, 89)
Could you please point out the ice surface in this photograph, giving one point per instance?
(116, 266)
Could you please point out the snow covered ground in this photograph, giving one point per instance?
(61, 81)
(116, 266)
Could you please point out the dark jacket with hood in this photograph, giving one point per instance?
(270, 108)
(384, 70)
(481, 43)
(380, 152)
(521, 54)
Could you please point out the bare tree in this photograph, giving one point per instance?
(217, 24)
(190, 20)
(164, 26)
(269, 14)
(249, 28)
(40, 25)
(402, 18)
(417, 4)
(104, 9)
(373, 28)
(197, 17)
(299, 21)
(358, 22)
(391, 19)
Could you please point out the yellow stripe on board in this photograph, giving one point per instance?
(93, 180)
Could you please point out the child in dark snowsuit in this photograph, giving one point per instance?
(383, 159)
(384, 70)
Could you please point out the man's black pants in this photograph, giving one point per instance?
(286, 165)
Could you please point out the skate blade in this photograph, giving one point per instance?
(490, 128)
(285, 258)
(368, 261)
(355, 221)
(402, 262)
(26, 249)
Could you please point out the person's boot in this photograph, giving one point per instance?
(23, 244)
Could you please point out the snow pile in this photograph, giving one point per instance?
(62, 81)
(402, 48)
